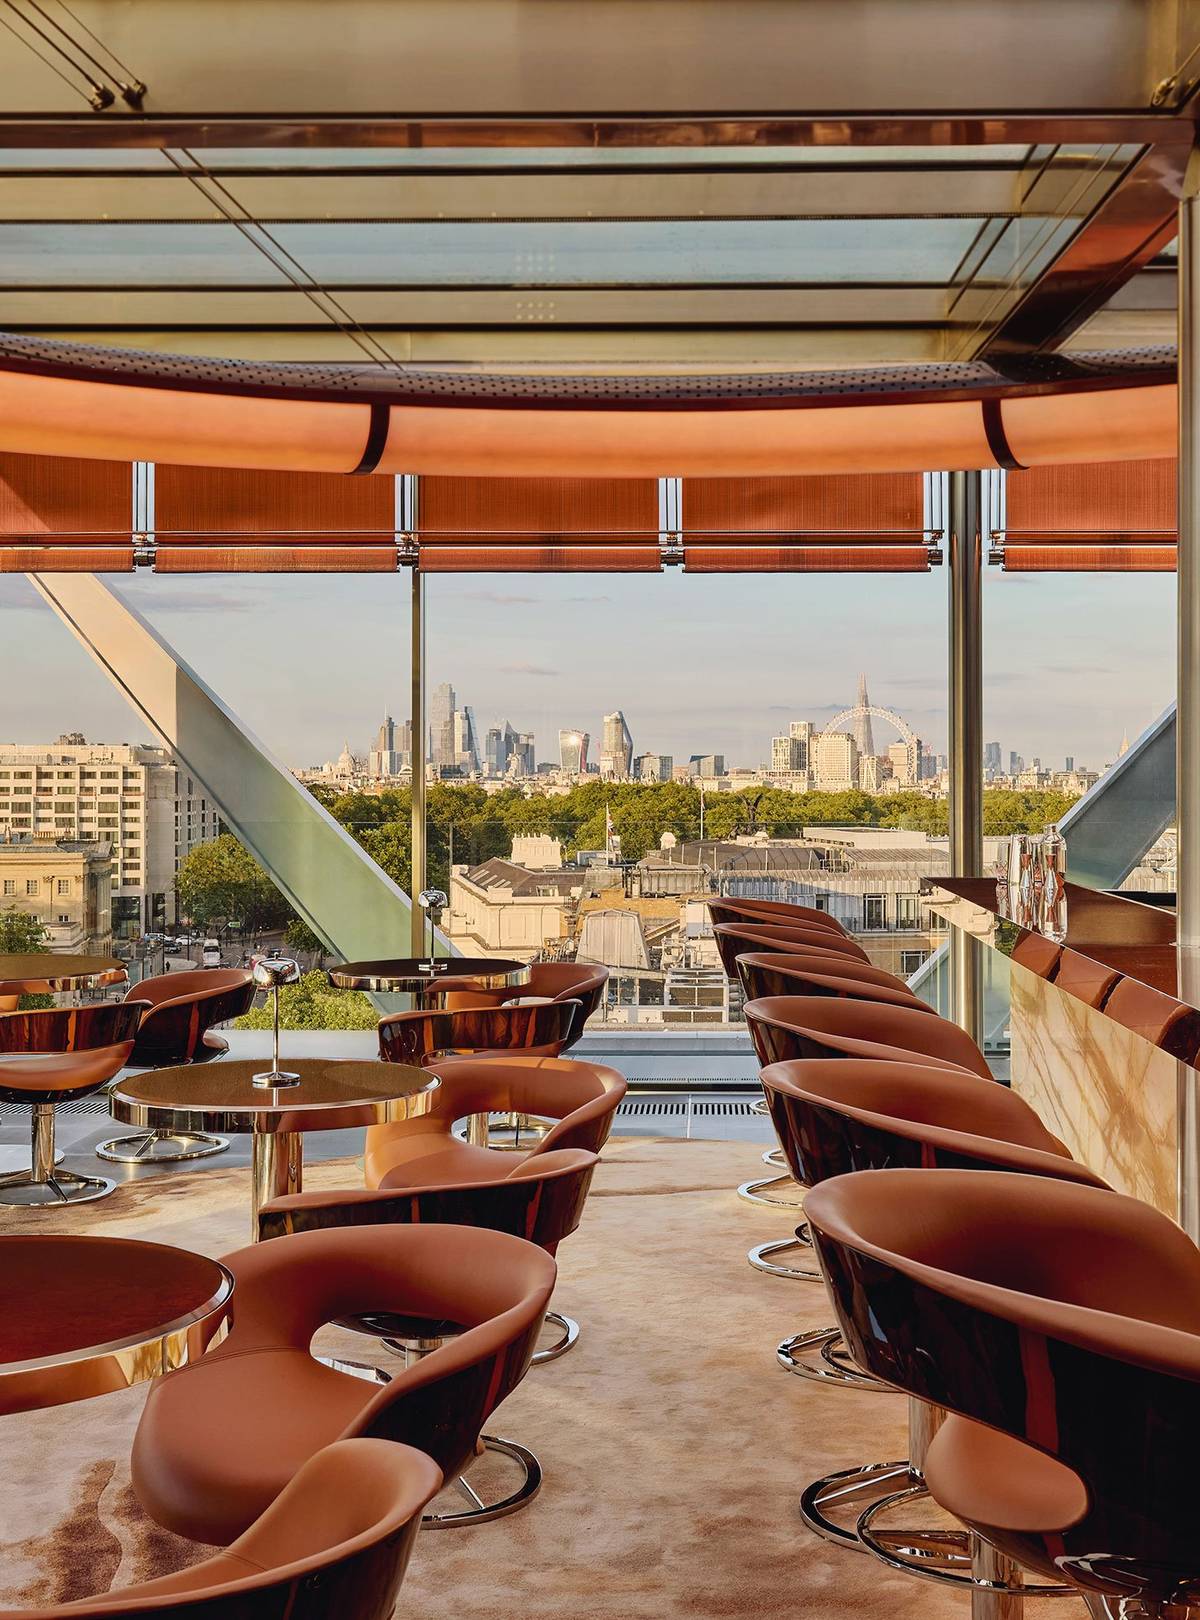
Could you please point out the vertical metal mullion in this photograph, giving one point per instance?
(966, 729)
(408, 520)
(1187, 696)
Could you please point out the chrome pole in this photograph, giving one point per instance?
(966, 730)
(418, 883)
(1187, 696)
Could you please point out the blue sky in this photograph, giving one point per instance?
(697, 663)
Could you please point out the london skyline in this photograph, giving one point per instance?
(307, 662)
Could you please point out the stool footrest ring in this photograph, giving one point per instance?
(821, 1354)
(568, 1336)
(480, 1511)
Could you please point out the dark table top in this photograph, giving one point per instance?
(1119, 956)
(80, 1316)
(421, 973)
(333, 1094)
(57, 970)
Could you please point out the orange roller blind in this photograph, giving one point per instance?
(1117, 516)
(62, 515)
(572, 525)
(232, 520)
(860, 523)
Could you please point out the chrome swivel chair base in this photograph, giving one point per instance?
(566, 1338)
(755, 1192)
(821, 1354)
(762, 1257)
(954, 1556)
(480, 1511)
(22, 1191)
(161, 1147)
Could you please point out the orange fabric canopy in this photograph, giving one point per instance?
(1117, 516)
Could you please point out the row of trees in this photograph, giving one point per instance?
(221, 885)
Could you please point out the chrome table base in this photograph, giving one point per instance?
(161, 1147)
(45, 1184)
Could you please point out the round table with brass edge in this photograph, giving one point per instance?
(40, 972)
(84, 1316)
(331, 1095)
(419, 975)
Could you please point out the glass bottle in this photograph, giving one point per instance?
(1020, 879)
(1054, 885)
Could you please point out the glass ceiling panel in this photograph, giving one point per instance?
(886, 252)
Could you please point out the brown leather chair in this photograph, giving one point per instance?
(47, 1056)
(541, 1030)
(732, 940)
(580, 1098)
(730, 909)
(1060, 1325)
(335, 1543)
(540, 1198)
(219, 1439)
(824, 980)
(177, 1028)
(784, 1027)
(834, 1116)
(583, 982)
(773, 973)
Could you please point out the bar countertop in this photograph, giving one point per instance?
(1119, 956)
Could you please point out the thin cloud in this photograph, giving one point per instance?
(161, 598)
(500, 598)
(527, 669)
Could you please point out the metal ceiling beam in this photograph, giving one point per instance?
(305, 71)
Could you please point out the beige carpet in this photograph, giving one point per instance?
(673, 1445)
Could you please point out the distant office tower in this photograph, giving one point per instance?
(653, 767)
(384, 759)
(786, 753)
(707, 765)
(616, 747)
(441, 727)
(836, 761)
(991, 759)
(498, 749)
(1069, 764)
(1015, 763)
(466, 743)
(802, 732)
(572, 751)
(906, 761)
(862, 734)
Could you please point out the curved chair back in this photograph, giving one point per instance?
(70, 1029)
(541, 1200)
(335, 1542)
(1064, 1317)
(493, 1286)
(733, 939)
(826, 981)
(784, 1027)
(834, 1116)
(417, 1037)
(775, 973)
(551, 981)
(732, 910)
(582, 1098)
(183, 1007)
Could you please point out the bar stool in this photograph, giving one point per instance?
(728, 909)
(1060, 1327)
(768, 973)
(46, 1057)
(220, 1438)
(834, 1116)
(732, 939)
(784, 1027)
(178, 1027)
(924, 1031)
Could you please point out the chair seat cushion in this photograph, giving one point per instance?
(211, 1453)
(988, 1478)
(428, 1160)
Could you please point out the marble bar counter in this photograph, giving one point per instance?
(1104, 1038)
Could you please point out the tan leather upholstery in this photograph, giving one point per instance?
(772, 936)
(820, 961)
(581, 1097)
(921, 1033)
(61, 1074)
(334, 1543)
(188, 985)
(733, 908)
(55, 1052)
(219, 1439)
(183, 1009)
(583, 982)
(946, 1110)
(827, 982)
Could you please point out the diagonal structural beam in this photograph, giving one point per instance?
(330, 880)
